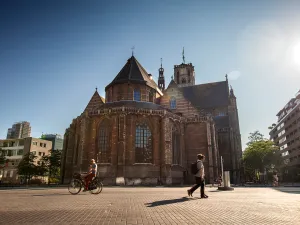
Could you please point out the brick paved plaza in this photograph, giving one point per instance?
(140, 205)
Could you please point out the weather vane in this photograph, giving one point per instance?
(160, 62)
(132, 50)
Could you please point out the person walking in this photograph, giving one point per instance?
(275, 179)
(199, 178)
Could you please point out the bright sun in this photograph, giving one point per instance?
(297, 54)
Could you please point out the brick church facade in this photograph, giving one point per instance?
(144, 133)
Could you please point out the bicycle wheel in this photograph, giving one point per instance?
(97, 187)
(74, 187)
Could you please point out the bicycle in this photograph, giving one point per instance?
(77, 183)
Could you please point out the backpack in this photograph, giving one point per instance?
(194, 167)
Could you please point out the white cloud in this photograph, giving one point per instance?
(234, 75)
(261, 43)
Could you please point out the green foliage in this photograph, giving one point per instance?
(255, 136)
(53, 162)
(260, 155)
(42, 168)
(2, 158)
(26, 167)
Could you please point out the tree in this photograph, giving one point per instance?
(42, 168)
(26, 167)
(2, 158)
(255, 136)
(272, 126)
(260, 155)
(53, 163)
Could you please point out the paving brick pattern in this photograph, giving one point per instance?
(150, 206)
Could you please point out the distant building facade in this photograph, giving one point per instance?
(56, 139)
(15, 149)
(19, 130)
(144, 133)
(286, 133)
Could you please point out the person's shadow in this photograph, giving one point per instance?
(170, 201)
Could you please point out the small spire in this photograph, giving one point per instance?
(132, 50)
(183, 58)
(160, 62)
(96, 88)
(226, 77)
(172, 77)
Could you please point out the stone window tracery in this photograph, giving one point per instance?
(150, 96)
(103, 141)
(136, 95)
(173, 103)
(143, 144)
(176, 156)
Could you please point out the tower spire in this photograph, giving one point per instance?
(161, 78)
(183, 58)
(132, 49)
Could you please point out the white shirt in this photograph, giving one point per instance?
(200, 167)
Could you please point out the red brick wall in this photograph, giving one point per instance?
(125, 91)
(182, 105)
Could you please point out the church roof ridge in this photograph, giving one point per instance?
(207, 95)
(134, 72)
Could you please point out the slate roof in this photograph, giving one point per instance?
(208, 95)
(133, 72)
(95, 101)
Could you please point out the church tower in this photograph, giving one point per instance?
(161, 78)
(184, 74)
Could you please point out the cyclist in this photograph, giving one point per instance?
(92, 173)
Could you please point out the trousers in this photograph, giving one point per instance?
(199, 183)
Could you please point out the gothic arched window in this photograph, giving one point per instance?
(143, 144)
(173, 103)
(136, 95)
(177, 77)
(150, 96)
(183, 81)
(103, 141)
(176, 157)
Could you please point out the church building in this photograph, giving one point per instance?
(144, 133)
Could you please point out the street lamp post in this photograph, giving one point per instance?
(222, 171)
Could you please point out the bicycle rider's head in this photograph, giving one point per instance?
(92, 161)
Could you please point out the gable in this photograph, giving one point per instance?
(183, 106)
(95, 102)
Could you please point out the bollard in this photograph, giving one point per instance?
(226, 182)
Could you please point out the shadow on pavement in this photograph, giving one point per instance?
(288, 190)
(170, 201)
(51, 194)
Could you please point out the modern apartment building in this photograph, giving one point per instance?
(15, 149)
(286, 133)
(19, 130)
(57, 140)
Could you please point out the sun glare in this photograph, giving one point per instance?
(297, 53)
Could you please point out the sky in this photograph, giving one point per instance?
(53, 54)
